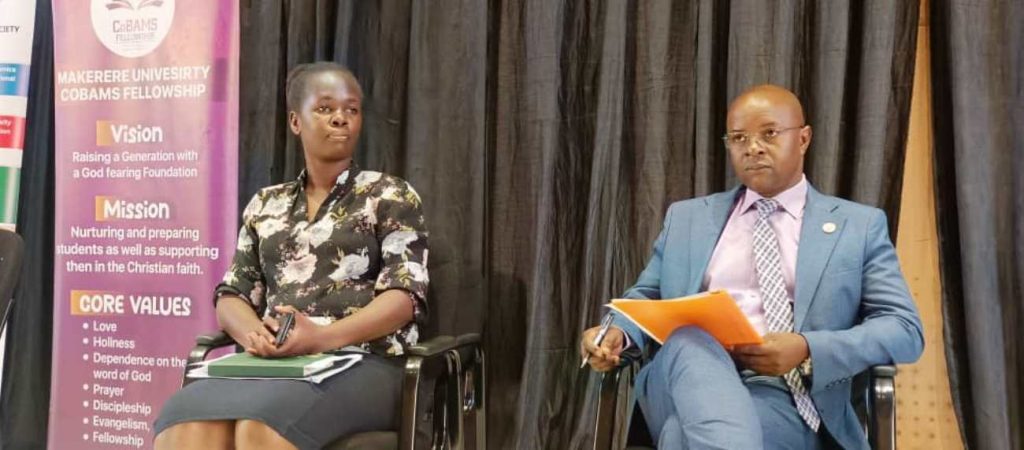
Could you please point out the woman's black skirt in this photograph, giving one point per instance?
(366, 397)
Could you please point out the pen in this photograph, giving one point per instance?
(605, 324)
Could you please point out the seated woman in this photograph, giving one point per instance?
(343, 248)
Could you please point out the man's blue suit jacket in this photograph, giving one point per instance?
(852, 303)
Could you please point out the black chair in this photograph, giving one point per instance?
(442, 395)
(11, 252)
(874, 398)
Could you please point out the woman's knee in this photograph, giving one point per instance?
(208, 434)
(256, 434)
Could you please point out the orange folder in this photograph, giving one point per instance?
(715, 312)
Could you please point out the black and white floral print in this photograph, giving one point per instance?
(366, 238)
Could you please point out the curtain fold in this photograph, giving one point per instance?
(547, 139)
(977, 62)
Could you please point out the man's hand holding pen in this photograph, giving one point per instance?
(604, 356)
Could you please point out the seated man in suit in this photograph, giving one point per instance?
(816, 275)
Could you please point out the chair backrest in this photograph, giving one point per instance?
(11, 252)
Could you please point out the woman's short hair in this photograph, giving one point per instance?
(295, 83)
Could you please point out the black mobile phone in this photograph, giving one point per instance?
(286, 321)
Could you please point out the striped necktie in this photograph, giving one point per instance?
(777, 307)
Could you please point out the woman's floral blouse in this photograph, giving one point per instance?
(367, 237)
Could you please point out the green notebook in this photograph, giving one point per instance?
(242, 365)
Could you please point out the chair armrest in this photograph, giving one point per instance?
(441, 344)
(884, 370)
(882, 408)
(435, 354)
(432, 347)
(433, 364)
(442, 360)
(205, 343)
(217, 339)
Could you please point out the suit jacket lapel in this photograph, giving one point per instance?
(706, 232)
(816, 245)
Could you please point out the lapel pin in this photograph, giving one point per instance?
(828, 227)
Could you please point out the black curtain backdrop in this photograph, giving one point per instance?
(977, 67)
(546, 138)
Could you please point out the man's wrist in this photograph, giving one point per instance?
(626, 341)
(806, 368)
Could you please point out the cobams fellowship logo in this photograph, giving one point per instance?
(132, 28)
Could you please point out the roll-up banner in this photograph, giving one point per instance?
(146, 117)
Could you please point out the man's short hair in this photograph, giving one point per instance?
(295, 83)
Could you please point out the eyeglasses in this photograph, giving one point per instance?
(740, 139)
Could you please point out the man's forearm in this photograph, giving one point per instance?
(838, 355)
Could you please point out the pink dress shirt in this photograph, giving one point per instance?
(732, 264)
